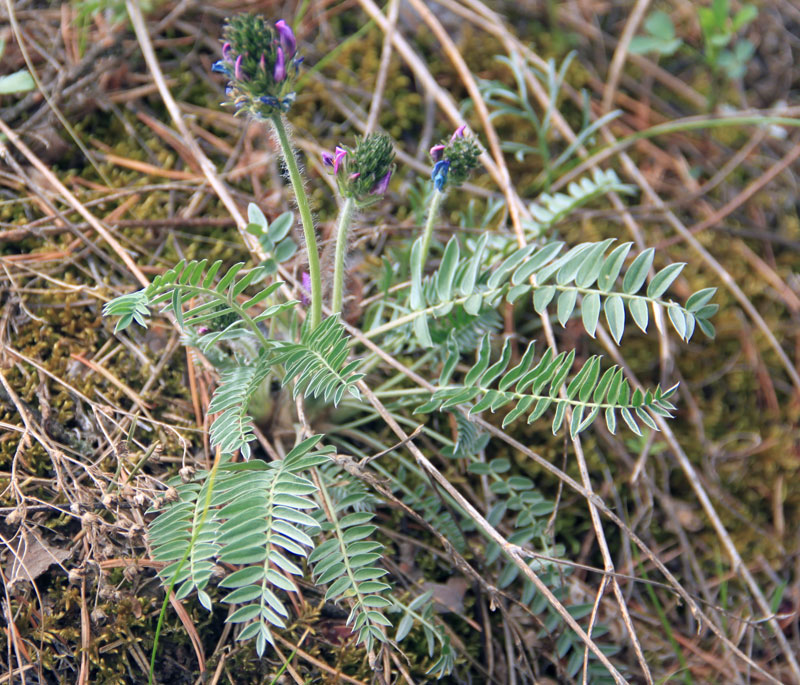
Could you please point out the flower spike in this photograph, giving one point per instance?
(262, 63)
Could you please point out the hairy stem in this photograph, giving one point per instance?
(345, 218)
(433, 212)
(305, 217)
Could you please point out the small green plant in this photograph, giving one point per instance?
(261, 525)
(723, 53)
(719, 30)
(516, 104)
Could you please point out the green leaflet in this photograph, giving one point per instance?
(461, 285)
(255, 518)
(533, 386)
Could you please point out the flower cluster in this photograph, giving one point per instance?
(454, 160)
(261, 62)
(363, 173)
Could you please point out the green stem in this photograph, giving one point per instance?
(433, 212)
(494, 292)
(345, 218)
(305, 217)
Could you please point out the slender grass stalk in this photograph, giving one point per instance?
(433, 212)
(345, 218)
(306, 219)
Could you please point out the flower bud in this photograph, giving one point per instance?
(364, 172)
(287, 39)
(436, 152)
(454, 160)
(279, 71)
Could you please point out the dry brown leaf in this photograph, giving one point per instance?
(32, 557)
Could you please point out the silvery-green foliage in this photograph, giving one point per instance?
(470, 439)
(232, 429)
(254, 514)
(318, 363)
(527, 508)
(273, 237)
(420, 611)
(534, 386)
(567, 645)
(548, 210)
(217, 305)
(347, 563)
(347, 491)
(262, 517)
(185, 534)
(431, 506)
(541, 272)
(504, 101)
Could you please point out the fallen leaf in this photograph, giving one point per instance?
(32, 557)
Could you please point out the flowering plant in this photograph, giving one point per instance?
(266, 516)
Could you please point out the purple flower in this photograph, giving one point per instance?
(288, 41)
(306, 283)
(383, 185)
(237, 69)
(226, 51)
(355, 175)
(327, 158)
(340, 154)
(279, 72)
(436, 152)
(459, 132)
